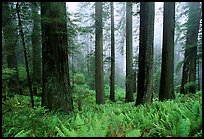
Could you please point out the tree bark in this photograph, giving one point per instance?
(56, 87)
(37, 76)
(194, 22)
(189, 67)
(129, 69)
(145, 72)
(167, 70)
(185, 71)
(198, 75)
(99, 79)
(112, 77)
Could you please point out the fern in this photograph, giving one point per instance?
(134, 133)
(22, 133)
(184, 127)
(79, 121)
(59, 132)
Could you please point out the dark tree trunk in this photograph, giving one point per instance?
(25, 53)
(145, 72)
(184, 79)
(129, 70)
(37, 76)
(56, 87)
(194, 22)
(167, 70)
(10, 37)
(198, 75)
(189, 67)
(99, 79)
(112, 77)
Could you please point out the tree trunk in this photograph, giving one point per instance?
(145, 72)
(99, 79)
(189, 67)
(129, 70)
(37, 76)
(194, 22)
(184, 79)
(112, 77)
(10, 36)
(167, 70)
(56, 87)
(25, 53)
(198, 75)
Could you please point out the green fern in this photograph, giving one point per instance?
(134, 133)
(184, 127)
(22, 133)
(59, 132)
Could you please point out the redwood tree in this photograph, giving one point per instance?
(56, 87)
(189, 66)
(99, 79)
(36, 44)
(112, 77)
(167, 70)
(129, 69)
(145, 72)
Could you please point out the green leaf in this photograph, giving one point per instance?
(59, 132)
(22, 133)
(79, 121)
(134, 133)
(184, 127)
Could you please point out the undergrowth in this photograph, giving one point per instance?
(181, 117)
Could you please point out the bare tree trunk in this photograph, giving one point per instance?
(37, 76)
(129, 69)
(56, 84)
(25, 54)
(145, 73)
(194, 22)
(198, 75)
(99, 79)
(112, 77)
(189, 67)
(184, 79)
(167, 70)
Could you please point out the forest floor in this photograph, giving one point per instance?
(181, 117)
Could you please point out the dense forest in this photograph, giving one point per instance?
(108, 69)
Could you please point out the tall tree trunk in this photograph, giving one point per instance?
(112, 77)
(194, 22)
(198, 75)
(99, 79)
(167, 70)
(189, 67)
(37, 76)
(145, 73)
(56, 87)
(185, 70)
(10, 36)
(25, 53)
(129, 70)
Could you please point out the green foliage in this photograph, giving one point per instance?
(177, 88)
(22, 133)
(188, 86)
(79, 78)
(7, 73)
(181, 117)
(22, 72)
